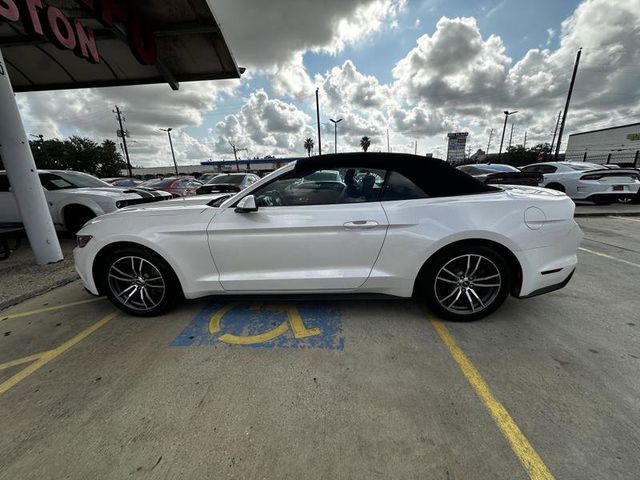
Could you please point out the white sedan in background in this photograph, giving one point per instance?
(386, 223)
(589, 181)
(75, 198)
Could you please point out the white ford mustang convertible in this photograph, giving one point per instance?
(392, 224)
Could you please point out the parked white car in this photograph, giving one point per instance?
(74, 198)
(588, 181)
(394, 224)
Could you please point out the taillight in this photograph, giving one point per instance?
(593, 176)
(237, 189)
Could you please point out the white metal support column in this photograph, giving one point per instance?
(23, 176)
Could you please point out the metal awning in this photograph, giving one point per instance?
(188, 40)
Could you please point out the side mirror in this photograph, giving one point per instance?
(247, 204)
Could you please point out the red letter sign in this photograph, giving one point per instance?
(86, 47)
(63, 34)
(9, 11)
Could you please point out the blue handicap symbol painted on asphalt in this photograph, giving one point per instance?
(265, 325)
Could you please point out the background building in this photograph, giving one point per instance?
(457, 146)
(607, 145)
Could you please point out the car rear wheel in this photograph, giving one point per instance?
(140, 282)
(466, 283)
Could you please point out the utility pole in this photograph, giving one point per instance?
(388, 144)
(235, 153)
(318, 119)
(566, 107)
(173, 154)
(510, 137)
(335, 133)
(524, 144)
(555, 131)
(416, 149)
(489, 144)
(507, 113)
(124, 135)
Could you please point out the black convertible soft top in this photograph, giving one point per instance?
(436, 177)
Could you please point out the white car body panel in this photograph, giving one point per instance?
(308, 248)
(325, 246)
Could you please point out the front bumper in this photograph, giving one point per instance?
(83, 260)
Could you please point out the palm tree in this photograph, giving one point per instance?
(365, 143)
(308, 145)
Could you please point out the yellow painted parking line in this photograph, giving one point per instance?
(525, 452)
(46, 357)
(624, 218)
(48, 309)
(20, 361)
(611, 257)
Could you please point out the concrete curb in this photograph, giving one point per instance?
(34, 293)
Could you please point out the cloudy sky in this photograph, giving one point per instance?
(420, 68)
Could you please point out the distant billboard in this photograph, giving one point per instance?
(456, 146)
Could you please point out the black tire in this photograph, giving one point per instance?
(75, 216)
(139, 281)
(556, 186)
(474, 300)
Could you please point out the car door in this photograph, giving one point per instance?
(9, 212)
(305, 235)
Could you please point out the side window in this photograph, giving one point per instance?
(328, 186)
(4, 183)
(531, 169)
(399, 187)
(547, 169)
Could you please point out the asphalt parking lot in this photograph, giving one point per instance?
(351, 388)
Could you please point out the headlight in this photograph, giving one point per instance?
(121, 203)
(82, 240)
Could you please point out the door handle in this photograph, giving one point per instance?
(361, 224)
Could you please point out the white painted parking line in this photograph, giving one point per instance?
(611, 257)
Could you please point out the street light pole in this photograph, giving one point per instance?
(504, 128)
(335, 134)
(318, 118)
(173, 154)
(566, 107)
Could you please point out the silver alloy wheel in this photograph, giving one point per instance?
(136, 283)
(467, 284)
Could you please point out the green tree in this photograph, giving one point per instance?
(79, 154)
(365, 143)
(308, 145)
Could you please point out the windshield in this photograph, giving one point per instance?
(473, 170)
(584, 166)
(324, 176)
(226, 180)
(498, 167)
(65, 180)
(158, 182)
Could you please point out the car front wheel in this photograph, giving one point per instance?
(466, 283)
(140, 282)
